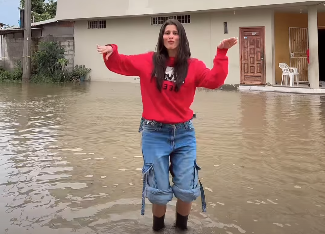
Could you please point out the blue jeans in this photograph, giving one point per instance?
(169, 147)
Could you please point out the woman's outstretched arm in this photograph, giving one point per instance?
(127, 65)
(215, 77)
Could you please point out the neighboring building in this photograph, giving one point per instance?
(11, 44)
(61, 31)
(55, 28)
(264, 29)
(12, 40)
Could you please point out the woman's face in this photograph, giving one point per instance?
(171, 38)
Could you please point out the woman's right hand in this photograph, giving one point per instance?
(228, 43)
(108, 50)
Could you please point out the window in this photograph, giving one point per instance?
(97, 24)
(184, 19)
(225, 27)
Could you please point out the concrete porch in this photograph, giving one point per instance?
(302, 27)
(302, 89)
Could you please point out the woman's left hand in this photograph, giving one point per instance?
(228, 43)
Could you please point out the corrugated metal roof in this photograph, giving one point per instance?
(45, 22)
(34, 26)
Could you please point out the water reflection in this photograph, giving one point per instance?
(71, 161)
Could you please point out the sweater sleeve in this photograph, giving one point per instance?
(215, 77)
(127, 65)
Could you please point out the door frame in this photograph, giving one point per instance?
(241, 30)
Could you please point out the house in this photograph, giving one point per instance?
(11, 46)
(12, 40)
(269, 32)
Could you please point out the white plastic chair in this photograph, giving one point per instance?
(285, 72)
(289, 72)
(295, 74)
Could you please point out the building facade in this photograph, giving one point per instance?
(262, 28)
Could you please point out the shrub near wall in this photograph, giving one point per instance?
(48, 66)
(12, 76)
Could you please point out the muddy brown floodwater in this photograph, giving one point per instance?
(71, 161)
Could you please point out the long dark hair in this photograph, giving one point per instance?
(161, 56)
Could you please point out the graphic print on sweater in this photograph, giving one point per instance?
(169, 74)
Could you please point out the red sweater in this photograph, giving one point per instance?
(169, 106)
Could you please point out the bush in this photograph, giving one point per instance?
(46, 61)
(80, 72)
(50, 65)
(5, 75)
(15, 75)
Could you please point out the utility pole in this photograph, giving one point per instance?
(27, 41)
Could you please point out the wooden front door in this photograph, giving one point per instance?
(252, 69)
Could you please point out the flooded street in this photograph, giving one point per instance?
(70, 161)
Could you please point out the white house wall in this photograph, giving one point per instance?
(137, 35)
(121, 8)
(244, 18)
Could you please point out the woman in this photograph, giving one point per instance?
(168, 79)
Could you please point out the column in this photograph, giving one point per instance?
(313, 68)
(273, 48)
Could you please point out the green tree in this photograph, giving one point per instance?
(41, 9)
(50, 8)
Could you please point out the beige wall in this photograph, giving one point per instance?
(244, 18)
(136, 35)
(111, 8)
